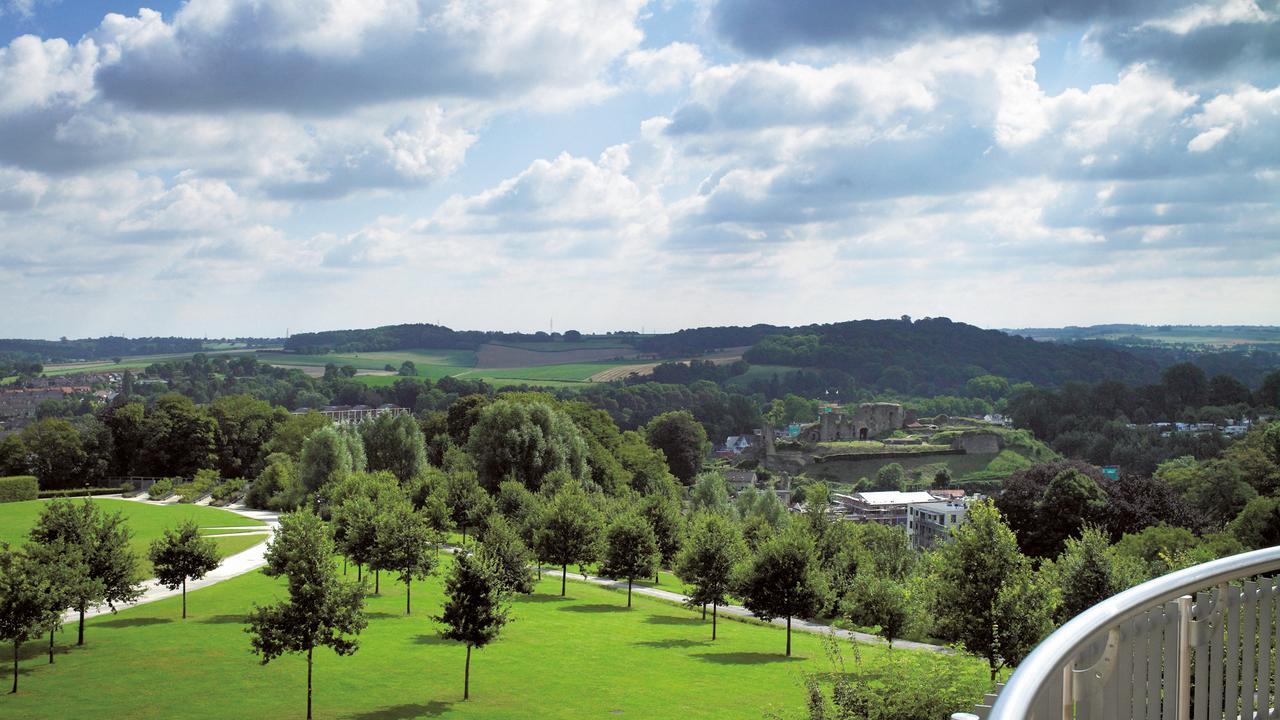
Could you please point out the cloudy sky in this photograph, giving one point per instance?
(235, 167)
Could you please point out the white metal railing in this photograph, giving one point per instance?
(1196, 644)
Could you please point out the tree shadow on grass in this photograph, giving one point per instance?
(225, 620)
(541, 598)
(672, 620)
(382, 615)
(435, 708)
(598, 608)
(132, 622)
(673, 643)
(745, 658)
(434, 639)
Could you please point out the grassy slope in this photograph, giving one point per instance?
(585, 656)
(147, 522)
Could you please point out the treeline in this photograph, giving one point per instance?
(99, 348)
(414, 336)
(1093, 422)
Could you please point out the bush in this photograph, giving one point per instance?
(162, 489)
(80, 492)
(127, 489)
(19, 487)
(228, 492)
(188, 492)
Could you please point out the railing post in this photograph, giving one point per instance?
(1184, 658)
(1068, 703)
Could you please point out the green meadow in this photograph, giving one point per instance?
(147, 522)
(583, 656)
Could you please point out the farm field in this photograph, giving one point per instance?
(147, 522)
(492, 355)
(586, 655)
(132, 362)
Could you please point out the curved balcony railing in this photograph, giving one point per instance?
(1196, 644)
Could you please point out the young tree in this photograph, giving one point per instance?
(183, 555)
(475, 607)
(322, 610)
(663, 515)
(356, 529)
(878, 601)
(510, 557)
(569, 531)
(1086, 573)
(67, 577)
(395, 443)
(1024, 608)
(24, 611)
(973, 570)
(403, 545)
(783, 579)
(468, 503)
(103, 541)
(710, 493)
(330, 454)
(630, 550)
(708, 560)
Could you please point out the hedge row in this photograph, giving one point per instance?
(82, 492)
(19, 487)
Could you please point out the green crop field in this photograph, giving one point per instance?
(561, 346)
(582, 656)
(147, 522)
(565, 372)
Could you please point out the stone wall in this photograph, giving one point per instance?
(866, 422)
(979, 443)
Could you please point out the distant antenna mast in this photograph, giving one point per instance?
(553, 324)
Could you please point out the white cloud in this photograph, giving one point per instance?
(666, 68)
(1209, 14)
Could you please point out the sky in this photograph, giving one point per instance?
(233, 168)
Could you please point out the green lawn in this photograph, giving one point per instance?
(147, 522)
(584, 656)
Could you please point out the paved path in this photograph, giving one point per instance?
(236, 565)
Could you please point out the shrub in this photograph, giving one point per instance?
(188, 492)
(162, 489)
(127, 489)
(78, 492)
(228, 492)
(19, 487)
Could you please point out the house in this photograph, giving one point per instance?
(887, 507)
(931, 522)
(739, 480)
(737, 443)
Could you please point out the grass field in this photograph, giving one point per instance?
(581, 657)
(132, 362)
(147, 522)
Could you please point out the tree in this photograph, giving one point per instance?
(355, 525)
(289, 436)
(1258, 524)
(681, 439)
(1226, 390)
(664, 516)
(569, 531)
(395, 443)
(878, 601)
(710, 493)
(403, 545)
(322, 610)
(1070, 502)
(182, 555)
(244, 426)
(1024, 616)
(525, 441)
(24, 612)
(631, 551)
(783, 580)
(891, 476)
(329, 455)
(1086, 573)
(66, 575)
(467, 502)
(973, 569)
(475, 607)
(708, 560)
(1268, 394)
(103, 541)
(181, 438)
(408, 369)
(1185, 386)
(54, 452)
(509, 556)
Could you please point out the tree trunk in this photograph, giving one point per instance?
(184, 598)
(81, 640)
(51, 630)
(309, 651)
(377, 582)
(704, 611)
(788, 636)
(564, 576)
(344, 566)
(408, 592)
(713, 621)
(359, 572)
(464, 536)
(656, 577)
(628, 592)
(15, 666)
(466, 677)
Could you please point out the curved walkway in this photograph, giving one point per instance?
(233, 566)
(740, 612)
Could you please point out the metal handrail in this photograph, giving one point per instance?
(1046, 660)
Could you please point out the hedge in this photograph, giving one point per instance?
(82, 492)
(19, 487)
